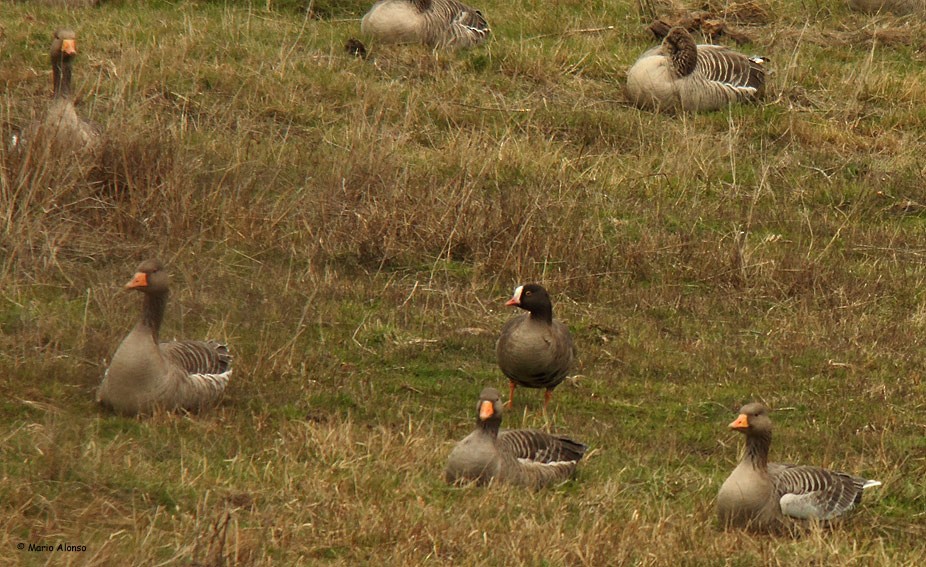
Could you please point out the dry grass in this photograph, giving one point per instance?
(351, 228)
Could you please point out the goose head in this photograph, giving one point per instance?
(63, 51)
(490, 407)
(753, 421)
(681, 49)
(534, 299)
(150, 277)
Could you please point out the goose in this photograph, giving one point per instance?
(145, 375)
(760, 495)
(62, 129)
(679, 75)
(437, 23)
(523, 457)
(533, 350)
(896, 7)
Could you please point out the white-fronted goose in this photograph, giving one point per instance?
(145, 375)
(61, 129)
(759, 494)
(896, 7)
(524, 457)
(533, 350)
(679, 75)
(437, 23)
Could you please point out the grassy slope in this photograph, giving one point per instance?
(352, 228)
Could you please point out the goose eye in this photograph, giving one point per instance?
(528, 293)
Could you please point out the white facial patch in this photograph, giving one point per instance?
(517, 293)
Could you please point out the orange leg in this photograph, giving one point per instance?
(547, 396)
(511, 386)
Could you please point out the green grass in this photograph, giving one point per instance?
(352, 228)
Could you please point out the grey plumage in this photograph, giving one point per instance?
(61, 130)
(680, 75)
(437, 23)
(760, 495)
(145, 375)
(524, 457)
(533, 350)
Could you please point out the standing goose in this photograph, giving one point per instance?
(679, 75)
(759, 494)
(524, 457)
(145, 374)
(533, 350)
(62, 129)
(437, 23)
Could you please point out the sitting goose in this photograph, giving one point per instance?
(524, 457)
(759, 494)
(437, 23)
(62, 129)
(145, 375)
(533, 350)
(679, 75)
(896, 7)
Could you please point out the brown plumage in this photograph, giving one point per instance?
(145, 375)
(680, 75)
(533, 350)
(524, 457)
(760, 495)
(62, 130)
(437, 23)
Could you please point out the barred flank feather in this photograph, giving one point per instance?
(539, 446)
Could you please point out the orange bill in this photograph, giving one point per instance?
(69, 46)
(740, 423)
(138, 280)
(486, 410)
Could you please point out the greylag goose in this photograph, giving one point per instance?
(896, 7)
(679, 75)
(524, 457)
(759, 494)
(62, 129)
(533, 350)
(145, 375)
(437, 23)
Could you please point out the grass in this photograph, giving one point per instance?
(352, 228)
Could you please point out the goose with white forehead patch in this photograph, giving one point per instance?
(533, 350)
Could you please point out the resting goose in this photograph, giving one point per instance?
(679, 75)
(145, 374)
(533, 350)
(437, 23)
(759, 494)
(62, 129)
(524, 457)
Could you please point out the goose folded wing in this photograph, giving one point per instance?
(540, 447)
(813, 492)
(731, 68)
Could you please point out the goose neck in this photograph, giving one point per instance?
(153, 312)
(757, 447)
(61, 71)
